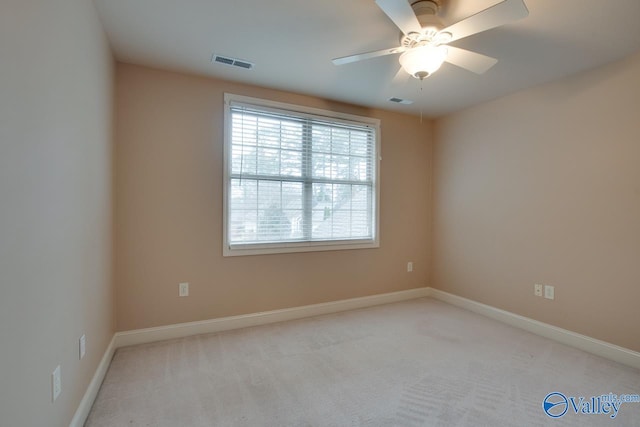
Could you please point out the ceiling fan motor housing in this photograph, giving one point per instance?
(427, 13)
(425, 7)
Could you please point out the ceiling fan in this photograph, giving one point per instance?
(424, 41)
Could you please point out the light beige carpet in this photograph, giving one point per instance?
(415, 363)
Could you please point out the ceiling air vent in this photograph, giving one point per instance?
(234, 62)
(400, 101)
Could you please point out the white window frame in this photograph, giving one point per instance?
(306, 246)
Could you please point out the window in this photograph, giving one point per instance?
(298, 179)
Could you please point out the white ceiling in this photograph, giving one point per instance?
(292, 43)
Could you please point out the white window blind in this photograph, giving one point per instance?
(298, 180)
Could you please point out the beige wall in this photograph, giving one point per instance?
(169, 210)
(55, 216)
(544, 187)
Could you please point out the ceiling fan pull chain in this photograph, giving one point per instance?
(421, 83)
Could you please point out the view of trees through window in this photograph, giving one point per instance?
(299, 179)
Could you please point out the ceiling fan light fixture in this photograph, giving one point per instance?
(423, 61)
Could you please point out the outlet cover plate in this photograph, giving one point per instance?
(549, 292)
(56, 383)
(537, 290)
(183, 289)
(82, 346)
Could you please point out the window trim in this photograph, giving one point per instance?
(306, 246)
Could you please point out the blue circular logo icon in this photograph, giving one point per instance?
(555, 405)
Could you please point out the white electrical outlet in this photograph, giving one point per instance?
(549, 292)
(183, 290)
(56, 384)
(82, 346)
(409, 267)
(537, 290)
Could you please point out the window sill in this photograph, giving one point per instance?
(280, 248)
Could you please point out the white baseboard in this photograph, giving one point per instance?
(141, 336)
(583, 342)
(86, 403)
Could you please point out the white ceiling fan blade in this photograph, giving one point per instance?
(472, 61)
(401, 77)
(494, 16)
(401, 13)
(366, 55)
